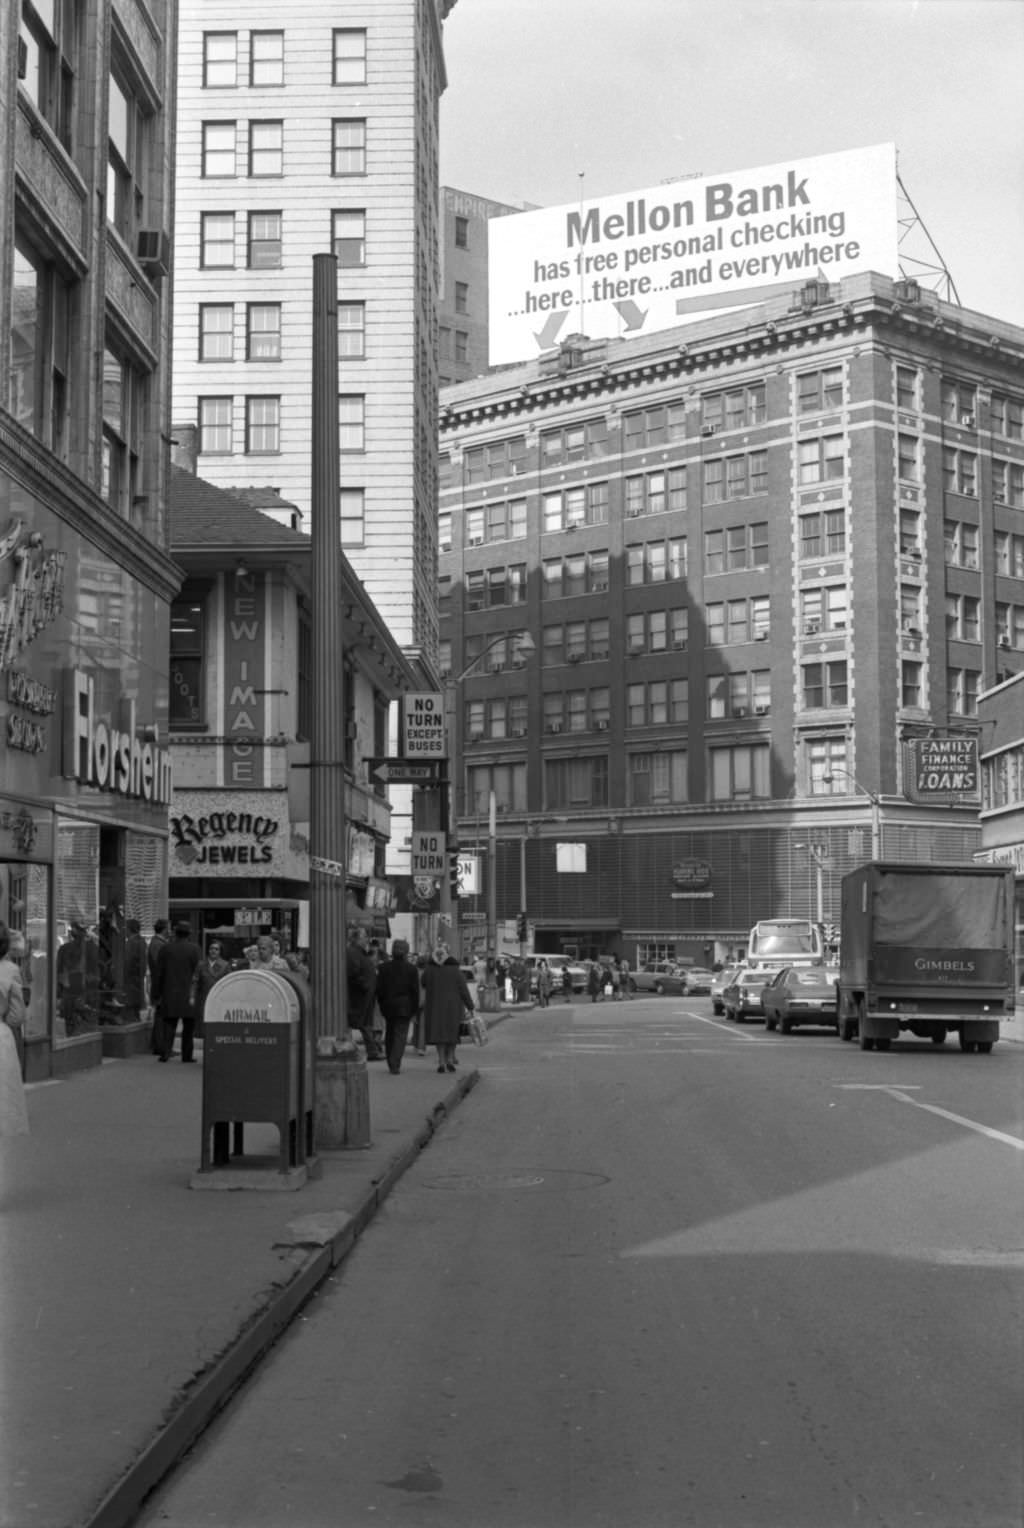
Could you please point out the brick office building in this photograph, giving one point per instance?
(761, 558)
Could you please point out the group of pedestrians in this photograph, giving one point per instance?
(430, 997)
(607, 978)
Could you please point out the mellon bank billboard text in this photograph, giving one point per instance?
(647, 260)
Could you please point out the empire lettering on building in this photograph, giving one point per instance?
(111, 758)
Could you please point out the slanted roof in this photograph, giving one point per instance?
(202, 517)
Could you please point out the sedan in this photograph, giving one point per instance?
(719, 982)
(743, 995)
(800, 995)
(660, 977)
(696, 981)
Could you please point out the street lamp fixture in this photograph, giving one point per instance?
(820, 859)
(523, 646)
(876, 820)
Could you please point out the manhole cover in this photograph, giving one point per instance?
(557, 1178)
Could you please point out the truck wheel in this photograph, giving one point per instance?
(984, 1047)
(939, 1035)
(882, 1044)
(966, 1045)
(865, 1043)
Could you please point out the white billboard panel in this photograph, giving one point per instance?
(646, 260)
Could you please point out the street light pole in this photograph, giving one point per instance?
(814, 850)
(876, 812)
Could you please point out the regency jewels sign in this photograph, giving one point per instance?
(644, 260)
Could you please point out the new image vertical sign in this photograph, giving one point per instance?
(423, 731)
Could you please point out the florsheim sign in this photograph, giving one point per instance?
(644, 260)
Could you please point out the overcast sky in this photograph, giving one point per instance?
(630, 93)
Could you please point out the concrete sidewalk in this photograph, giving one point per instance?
(132, 1305)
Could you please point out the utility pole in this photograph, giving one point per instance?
(342, 1107)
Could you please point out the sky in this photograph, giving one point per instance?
(630, 93)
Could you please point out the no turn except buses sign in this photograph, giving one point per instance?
(423, 726)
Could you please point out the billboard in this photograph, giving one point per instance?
(641, 261)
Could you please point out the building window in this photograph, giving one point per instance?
(40, 336)
(349, 146)
(127, 160)
(958, 402)
(1007, 416)
(910, 684)
(819, 391)
(1009, 553)
(264, 241)
(908, 466)
(217, 240)
(461, 233)
(507, 781)
(910, 533)
(461, 345)
(352, 422)
(656, 426)
(348, 238)
(654, 562)
(218, 149)
(821, 460)
(658, 779)
(220, 60)
(739, 694)
(962, 687)
(572, 507)
(52, 37)
(262, 426)
(266, 59)
(960, 544)
(574, 443)
(349, 56)
(735, 548)
(736, 409)
(266, 148)
(824, 685)
(263, 331)
(908, 388)
(186, 701)
(1008, 483)
(353, 516)
(963, 617)
(498, 459)
(959, 471)
(351, 331)
(124, 409)
(652, 493)
(462, 297)
(215, 426)
(740, 773)
(735, 477)
(827, 770)
(823, 534)
(575, 783)
(824, 609)
(502, 521)
(216, 331)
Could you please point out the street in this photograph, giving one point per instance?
(661, 1269)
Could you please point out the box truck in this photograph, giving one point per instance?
(926, 948)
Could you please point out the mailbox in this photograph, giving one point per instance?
(257, 1066)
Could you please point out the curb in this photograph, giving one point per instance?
(190, 1412)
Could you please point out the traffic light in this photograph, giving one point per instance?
(454, 879)
(521, 930)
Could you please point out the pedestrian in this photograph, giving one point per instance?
(177, 964)
(625, 984)
(612, 977)
(447, 1001)
(208, 974)
(265, 956)
(156, 944)
(361, 983)
(13, 1110)
(545, 982)
(398, 997)
(136, 966)
(593, 980)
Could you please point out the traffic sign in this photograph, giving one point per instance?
(428, 853)
(405, 771)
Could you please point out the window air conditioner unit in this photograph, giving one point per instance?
(476, 734)
(739, 710)
(811, 628)
(517, 732)
(679, 645)
(22, 58)
(912, 631)
(574, 657)
(968, 420)
(708, 429)
(496, 668)
(554, 726)
(154, 252)
(914, 553)
(761, 710)
(632, 514)
(475, 541)
(1004, 641)
(760, 636)
(601, 726)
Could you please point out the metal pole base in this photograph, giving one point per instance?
(342, 1091)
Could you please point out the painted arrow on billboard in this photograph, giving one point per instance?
(549, 334)
(403, 772)
(632, 316)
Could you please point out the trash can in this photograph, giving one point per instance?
(257, 1067)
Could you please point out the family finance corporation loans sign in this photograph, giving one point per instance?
(644, 260)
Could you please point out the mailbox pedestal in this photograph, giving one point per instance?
(257, 1067)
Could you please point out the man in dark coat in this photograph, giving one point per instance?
(361, 982)
(136, 964)
(398, 997)
(174, 993)
(447, 1001)
(156, 944)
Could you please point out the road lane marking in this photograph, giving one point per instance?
(957, 1119)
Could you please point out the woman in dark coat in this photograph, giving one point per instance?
(446, 1001)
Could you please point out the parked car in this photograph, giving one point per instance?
(661, 976)
(566, 973)
(800, 995)
(719, 981)
(696, 980)
(742, 997)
